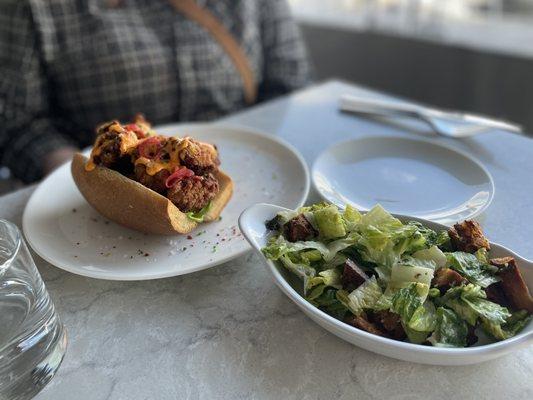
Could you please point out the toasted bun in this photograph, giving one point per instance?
(133, 205)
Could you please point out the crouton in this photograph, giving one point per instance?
(513, 284)
(352, 276)
(467, 236)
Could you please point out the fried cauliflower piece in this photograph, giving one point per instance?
(193, 193)
(156, 182)
(202, 158)
(113, 146)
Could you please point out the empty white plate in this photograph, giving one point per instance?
(407, 176)
(67, 232)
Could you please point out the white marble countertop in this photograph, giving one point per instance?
(229, 333)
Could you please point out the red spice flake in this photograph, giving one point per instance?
(223, 239)
(146, 254)
(77, 243)
(189, 237)
(74, 210)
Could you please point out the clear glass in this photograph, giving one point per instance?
(32, 339)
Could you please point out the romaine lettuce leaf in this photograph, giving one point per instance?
(313, 207)
(470, 303)
(432, 254)
(409, 239)
(330, 222)
(311, 255)
(450, 329)
(279, 246)
(362, 298)
(338, 259)
(316, 285)
(384, 302)
(352, 218)
(198, 216)
(340, 244)
(413, 262)
(302, 271)
(471, 268)
(482, 255)
(416, 337)
(513, 325)
(378, 216)
(433, 238)
(406, 301)
(384, 239)
(408, 272)
(328, 302)
(424, 319)
(418, 317)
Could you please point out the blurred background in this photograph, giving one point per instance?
(472, 55)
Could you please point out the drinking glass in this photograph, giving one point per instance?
(32, 338)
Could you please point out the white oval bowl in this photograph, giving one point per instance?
(252, 224)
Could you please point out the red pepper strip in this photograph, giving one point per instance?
(135, 129)
(149, 144)
(178, 175)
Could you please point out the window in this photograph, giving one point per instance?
(503, 26)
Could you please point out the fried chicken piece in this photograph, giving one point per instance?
(445, 278)
(202, 158)
(513, 285)
(467, 236)
(352, 276)
(155, 182)
(299, 228)
(193, 193)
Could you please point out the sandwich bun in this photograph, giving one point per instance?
(135, 206)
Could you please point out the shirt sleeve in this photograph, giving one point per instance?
(27, 130)
(286, 65)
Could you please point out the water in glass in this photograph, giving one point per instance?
(32, 338)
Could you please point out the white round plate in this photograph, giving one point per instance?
(67, 232)
(407, 176)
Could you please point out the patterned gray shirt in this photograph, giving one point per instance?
(66, 65)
